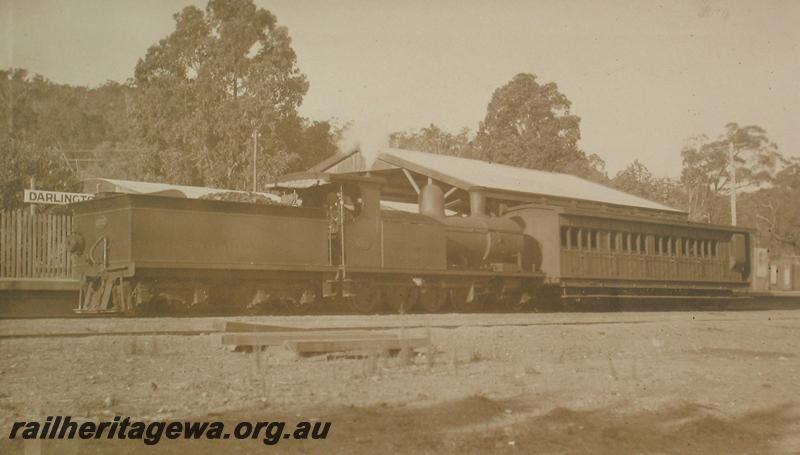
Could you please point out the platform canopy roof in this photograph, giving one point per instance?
(464, 173)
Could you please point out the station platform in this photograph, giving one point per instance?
(38, 297)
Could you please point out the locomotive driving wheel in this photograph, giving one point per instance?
(401, 299)
(366, 299)
(459, 300)
(517, 300)
(433, 299)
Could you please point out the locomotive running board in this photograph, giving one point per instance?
(654, 297)
(96, 312)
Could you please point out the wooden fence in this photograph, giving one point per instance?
(34, 245)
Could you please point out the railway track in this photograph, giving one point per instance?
(754, 303)
(58, 328)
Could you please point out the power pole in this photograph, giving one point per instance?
(733, 184)
(33, 187)
(255, 160)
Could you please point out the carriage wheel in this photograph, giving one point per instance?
(433, 299)
(366, 299)
(401, 299)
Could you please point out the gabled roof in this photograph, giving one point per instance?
(466, 173)
(341, 162)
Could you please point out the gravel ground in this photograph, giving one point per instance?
(564, 383)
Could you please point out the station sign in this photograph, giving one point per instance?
(54, 197)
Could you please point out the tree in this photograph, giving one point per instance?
(638, 180)
(706, 168)
(20, 161)
(311, 141)
(774, 211)
(223, 74)
(433, 139)
(44, 127)
(528, 124)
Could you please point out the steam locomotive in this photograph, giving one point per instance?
(339, 250)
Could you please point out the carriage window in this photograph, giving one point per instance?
(573, 238)
(676, 246)
(639, 244)
(612, 241)
(595, 239)
(714, 248)
(658, 243)
(626, 242)
(564, 237)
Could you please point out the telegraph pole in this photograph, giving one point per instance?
(733, 183)
(255, 160)
(33, 187)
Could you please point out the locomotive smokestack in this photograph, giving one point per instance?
(477, 202)
(431, 200)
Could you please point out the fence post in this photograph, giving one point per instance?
(3, 245)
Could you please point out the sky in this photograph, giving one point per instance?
(644, 76)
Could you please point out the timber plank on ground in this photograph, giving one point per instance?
(279, 338)
(248, 327)
(311, 347)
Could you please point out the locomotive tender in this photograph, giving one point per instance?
(473, 244)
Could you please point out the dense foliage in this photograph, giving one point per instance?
(527, 124)
(223, 76)
(187, 116)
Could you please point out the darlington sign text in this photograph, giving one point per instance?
(54, 197)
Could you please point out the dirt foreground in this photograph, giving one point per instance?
(604, 383)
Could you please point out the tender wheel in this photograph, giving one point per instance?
(433, 299)
(301, 299)
(261, 302)
(366, 299)
(401, 299)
